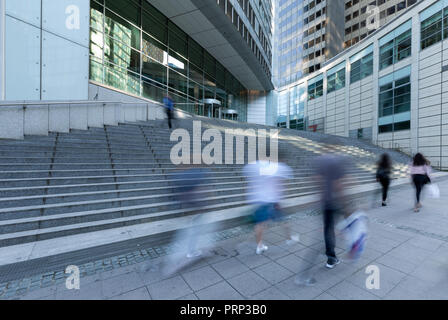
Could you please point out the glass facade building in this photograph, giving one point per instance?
(136, 49)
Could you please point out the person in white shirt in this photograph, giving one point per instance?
(266, 183)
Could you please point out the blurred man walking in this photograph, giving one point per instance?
(331, 169)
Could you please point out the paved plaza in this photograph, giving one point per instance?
(410, 249)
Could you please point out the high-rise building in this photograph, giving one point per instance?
(307, 33)
(390, 88)
(362, 17)
(209, 55)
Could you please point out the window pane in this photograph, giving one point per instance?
(402, 81)
(445, 24)
(121, 55)
(386, 128)
(367, 66)
(196, 74)
(126, 9)
(387, 55)
(121, 30)
(402, 108)
(96, 70)
(153, 49)
(153, 90)
(177, 63)
(177, 40)
(154, 70)
(403, 90)
(195, 53)
(406, 125)
(96, 16)
(431, 30)
(178, 81)
(155, 27)
(96, 44)
(386, 87)
(122, 79)
(209, 64)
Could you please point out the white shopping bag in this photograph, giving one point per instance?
(433, 191)
(354, 229)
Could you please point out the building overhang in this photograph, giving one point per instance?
(204, 21)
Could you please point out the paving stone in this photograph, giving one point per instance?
(297, 292)
(388, 279)
(91, 291)
(253, 260)
(248, 283)
(294, 263)
(201, 278)
(273, 272)
(137, 294)
(120, 284)
(400, 264)
(169, 289)
(230, 268)
(325, 296)
(219, 291)
(271, 293)
(190, 296)
(348, 291)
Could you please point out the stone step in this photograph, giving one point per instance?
(140, 216)
(156, 172)
(168, 191)
(165, 200)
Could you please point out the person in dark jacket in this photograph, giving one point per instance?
(169, 109)
(383, 173)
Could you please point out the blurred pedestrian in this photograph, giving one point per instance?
(169, 109)
(331, 169)
(266, 184)
(190, 187)
(383, 173)
(420, 171)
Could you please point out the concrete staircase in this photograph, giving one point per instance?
(65, 184)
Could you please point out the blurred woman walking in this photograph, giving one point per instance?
(420, 171)
(383, 175)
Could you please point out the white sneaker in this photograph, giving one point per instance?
(261, 249)
(294, 239)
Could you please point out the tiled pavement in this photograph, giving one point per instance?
(410, 249)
